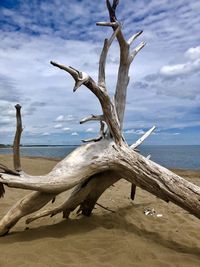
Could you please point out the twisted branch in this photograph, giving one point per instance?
(104, 99)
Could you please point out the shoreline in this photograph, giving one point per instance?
(57, 159)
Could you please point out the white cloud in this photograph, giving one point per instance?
(133, 131)
(193, 53)
(167, 100)
(180, 69)
(66, 129)
(60, 118)
(5, 120)
(90, 130)
(74, 133)
(58, 126)
(45, 134)
(130, 131)
(69, 118)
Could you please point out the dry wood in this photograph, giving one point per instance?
(142, 139)
(25, 206)
(95, 166)
(16, 143)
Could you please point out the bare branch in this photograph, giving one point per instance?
(92, 118)
(111, 10)
(16, 143)
(135, 36)
(141, 140)
(105, 208)
(70, 70)
(133, 191)
(92, 139)
(2, 190)
(104, 99)
(107, 24)
(7, 170)
(83, 77)
(103, 56)
(115, 111)
(149, 156)
(136, 50)
(102, 127)
(79, 77)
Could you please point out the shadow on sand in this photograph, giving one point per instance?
(116, 221)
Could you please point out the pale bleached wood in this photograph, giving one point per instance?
(108, 24)
(149, 156)
(134, 37)
(126, 58)
(68, 172)
(98, 138)
(136, 50)
(103, 56)
(86, 167)
(85, 194)
(104, 99)
(92, 118)
(23, 207)
(143, 138)
(105, 155)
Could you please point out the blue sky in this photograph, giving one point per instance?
(165, 76)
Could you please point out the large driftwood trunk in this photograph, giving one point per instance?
(95, 166)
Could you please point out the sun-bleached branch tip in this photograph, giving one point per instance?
(141, 140)
(136, 50)
(132, 38)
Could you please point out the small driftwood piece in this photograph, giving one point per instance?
(94, 166)
(16, 143)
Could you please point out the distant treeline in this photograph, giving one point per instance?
(3, 146)
(8, 146)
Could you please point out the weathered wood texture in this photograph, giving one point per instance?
(93, 167)
(16, 143)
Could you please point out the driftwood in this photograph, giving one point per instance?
(95, 166)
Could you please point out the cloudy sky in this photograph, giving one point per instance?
(165, 77)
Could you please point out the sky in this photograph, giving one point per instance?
(164, 89)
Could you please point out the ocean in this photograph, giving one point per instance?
(170, 156)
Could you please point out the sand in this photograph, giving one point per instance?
(125, 238)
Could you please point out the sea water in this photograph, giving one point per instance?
(174, 156)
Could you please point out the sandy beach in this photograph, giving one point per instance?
(124, 237)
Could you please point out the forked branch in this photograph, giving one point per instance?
(104, 99)
(126, 57)
(93, 167)
(113, 18)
